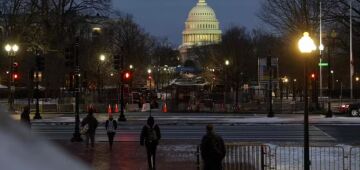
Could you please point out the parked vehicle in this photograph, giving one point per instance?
(352, 110)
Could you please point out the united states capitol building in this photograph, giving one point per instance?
(201, 28)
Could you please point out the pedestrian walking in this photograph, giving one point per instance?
(111, 126)
(25, 116)
(150, 136)
(212, 149)
(89, 125)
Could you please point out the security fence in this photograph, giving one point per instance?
(287, 157)
(354, 158)
(321, 158)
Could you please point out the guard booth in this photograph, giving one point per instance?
(189, 95)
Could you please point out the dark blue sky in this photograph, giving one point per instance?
(165, 18)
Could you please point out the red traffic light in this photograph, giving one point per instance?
(15, 76)
(149, 77)
(313, 75)
(127, 75)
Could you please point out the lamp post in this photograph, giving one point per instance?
(286, 81)
(102, 59)
(357, 79)
(37, 79)
(77, 136)
(11, 49)
(333, 36)
(306, 46)
(269, 68)
(293, 90)
(227, 63)
(150, 78)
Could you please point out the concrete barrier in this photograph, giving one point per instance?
(132, 107)
(145, 107)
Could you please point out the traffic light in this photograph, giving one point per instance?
(15, 72)
(117, 62)
(40, 62)
(15, 76)
(313, 76)
(69, 57)
(126, 77)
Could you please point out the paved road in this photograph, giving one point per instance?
(243, 133)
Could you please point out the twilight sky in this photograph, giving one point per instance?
(165, 18)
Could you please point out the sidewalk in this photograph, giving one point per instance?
(131, 156)
(204, 118)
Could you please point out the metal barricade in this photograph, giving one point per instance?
(321, 158)
(354, 158)
(244, 157)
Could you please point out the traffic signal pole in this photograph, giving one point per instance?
(11, 83)
(122, 115)
(77, 136)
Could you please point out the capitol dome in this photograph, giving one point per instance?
(201, 26)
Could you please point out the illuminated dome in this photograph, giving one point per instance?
(201, 27)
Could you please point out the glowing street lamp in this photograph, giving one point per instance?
(227, 62)
(102, 57)
(11, 49)
(306, 45)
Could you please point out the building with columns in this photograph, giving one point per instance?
(201, 28)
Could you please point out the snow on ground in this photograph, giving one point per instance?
(21, 150)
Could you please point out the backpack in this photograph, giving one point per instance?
(111, 127)
(84, 129)
(151, 134)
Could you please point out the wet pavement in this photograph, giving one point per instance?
(132, 156)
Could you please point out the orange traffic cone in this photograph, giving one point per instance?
(164, 108)
(109, 109)
(116, 108)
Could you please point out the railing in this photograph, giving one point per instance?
(321, 158)
(288, 157)
(354, 158)
(244, 157)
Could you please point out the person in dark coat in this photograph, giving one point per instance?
(150, 136)
(212, 149)
(111, 126)
(25, 116)
(92, 124)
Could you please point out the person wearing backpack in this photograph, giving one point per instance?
(212, 149)
(150, 136)
(90, 124)
(111, 126)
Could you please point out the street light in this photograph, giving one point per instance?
(286, 81)
(131, 66)
(306, 46)
(357, 79)
(227, 63)
(11, 49)
(293, 90)
(102, 59)
(150, 78)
